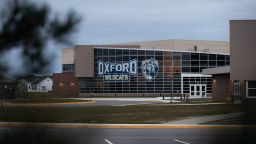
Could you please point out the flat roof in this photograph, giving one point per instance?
(217, 70)
(185, 45)
(148, 49)
(204, 46)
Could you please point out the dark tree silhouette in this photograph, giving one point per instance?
(30, 26)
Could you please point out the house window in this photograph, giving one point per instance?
(44, 88)
(33, 87)
(24, 87)
(251, 89)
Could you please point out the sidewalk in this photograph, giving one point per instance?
(205, 119)
(153, 99)
(156, 99)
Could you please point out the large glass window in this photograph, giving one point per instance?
(133, 52)
(176, 63)
(111, 52)
(176, 56)
(204, 63)
(170, 63)
(203, 57)
(68, 67)
(105, 52)
(185, 63)
(186, 56)
(212, 63)
(195, 56)
(251, 89)
(195, 63)
(185, 69)
(220, 63)
(212, 57)
(167, 56)
(158, 53)
(151, 53)
(227, 58)
(195, 69)
(221, 57)
(119, 58)
(119, 52)
(126, 53)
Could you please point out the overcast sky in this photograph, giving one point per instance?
(118, 21)
(115, 21)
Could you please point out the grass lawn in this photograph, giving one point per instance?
(43, 100)
(113, 114)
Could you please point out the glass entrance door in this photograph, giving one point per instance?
(203, 90)
(197, 90)
(192, 90)
(237, 91)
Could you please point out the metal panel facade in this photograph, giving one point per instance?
(243, 49)
(84, 60)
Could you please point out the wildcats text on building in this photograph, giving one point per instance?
(117, 71)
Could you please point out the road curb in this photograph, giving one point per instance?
(116, 126)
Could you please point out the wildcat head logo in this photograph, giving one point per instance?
(150, 68)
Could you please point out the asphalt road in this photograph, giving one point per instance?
(111, 103)
(95, 103)
(121, 136)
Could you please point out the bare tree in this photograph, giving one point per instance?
(29, 26)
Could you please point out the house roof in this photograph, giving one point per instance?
(34, 79)
(39, 79)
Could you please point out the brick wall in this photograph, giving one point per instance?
(65, 85)
(222, 88)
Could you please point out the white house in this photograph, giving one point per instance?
(37, 83)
